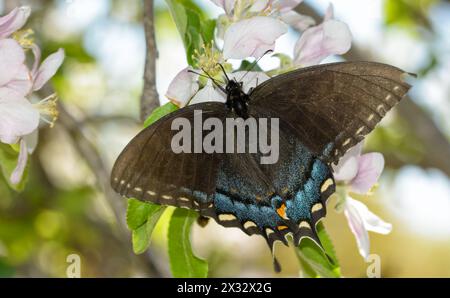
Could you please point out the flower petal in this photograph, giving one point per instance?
(252, 37)
(316, 43)
(259, 5)
(356, 224)
(285, 5)
(14, 20)
(208, 93)
(227, 5)
(32, 141)
(37, 59)
(12, 57)
(371, 221)
(297, 21)
(16, 175)
(370, 167)
(347, 168)
(182, 87)
(22, 82)
(249, 79)
(329, 14)
(48, 69)
(18, 117)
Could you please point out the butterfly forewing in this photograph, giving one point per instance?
(331, 107)
(148, 169)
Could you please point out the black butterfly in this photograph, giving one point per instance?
(323, 111)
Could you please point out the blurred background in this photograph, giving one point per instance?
(67, 207)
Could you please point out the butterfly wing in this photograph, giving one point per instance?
(332, 107)
(272, 200)
(149, 170)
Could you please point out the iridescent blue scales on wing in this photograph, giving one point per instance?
(259, 208)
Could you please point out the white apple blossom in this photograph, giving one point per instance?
(19, 118)
(182, 87)
(329, 38)
(360, 172)
(252, 37)
(261, 22)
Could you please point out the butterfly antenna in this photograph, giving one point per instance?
(214, 81)
(254, 64)
(205, 76)
(224, 72)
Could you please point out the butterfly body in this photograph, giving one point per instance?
(323, 111)
(237, 99)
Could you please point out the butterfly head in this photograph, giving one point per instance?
(233, 86)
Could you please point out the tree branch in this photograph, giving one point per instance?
(149, 98)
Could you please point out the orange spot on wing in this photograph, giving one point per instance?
(281, 228)
(282, 211)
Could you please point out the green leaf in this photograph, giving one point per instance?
(6, 270)
(408, 13)
(138, 212)
(8, 162)
(315, 261)
(307, 270)
(183, 262)
(207, 32)
(285, 60)
(141, 220)
(327, 244)
(194, 28)
(160, 112)
(248, 66)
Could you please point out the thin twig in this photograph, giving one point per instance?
(149, 98)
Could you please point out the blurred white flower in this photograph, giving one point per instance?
(332, 37)
(360, 173)
(19, 118)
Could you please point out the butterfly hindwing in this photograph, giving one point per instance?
(149, 170)
(273, 200)
(331, 107)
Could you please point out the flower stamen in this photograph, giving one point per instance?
(24, 37)
(208, 58)
(48, 109)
